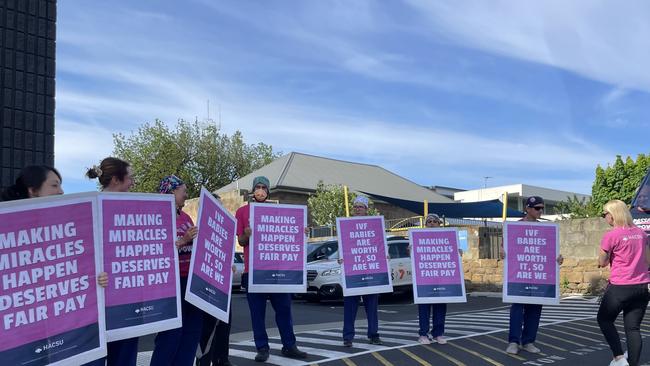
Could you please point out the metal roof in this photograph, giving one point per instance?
(302, 172)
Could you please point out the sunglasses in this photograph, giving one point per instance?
(538, 208)
(604, 214)
(433, 222)
(358, 206)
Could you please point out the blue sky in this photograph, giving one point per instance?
(442, 93)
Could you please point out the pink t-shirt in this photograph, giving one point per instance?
(243, 221)
(183, 223)
(626, 247)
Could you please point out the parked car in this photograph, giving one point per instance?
(239, 270)
(324, 279)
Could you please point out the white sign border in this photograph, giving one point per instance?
(161, 325)
(75, 198)
(531, 299)
(368, 290)
(257, 288)
(442, 299)
(189, 296)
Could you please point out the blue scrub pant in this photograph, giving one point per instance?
(177, 347)
(281, 304)
(529, 315)
(437, 314)
(350, 308)
(120, 353)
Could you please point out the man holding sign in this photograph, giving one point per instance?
(281, 302)
(529, 274)
(365, 268)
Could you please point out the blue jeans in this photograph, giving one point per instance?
(177, 347)
(281, 304)
(529, 315)
(350, 307)
(122, 352)
(438, 319)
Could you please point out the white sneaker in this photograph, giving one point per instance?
(441, 340)
(620, 362)
(513, 348)
(424, 340)
(531, 348)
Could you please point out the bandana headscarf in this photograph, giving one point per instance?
(362, 200)
(169, 184)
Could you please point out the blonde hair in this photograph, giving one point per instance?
(620, 213)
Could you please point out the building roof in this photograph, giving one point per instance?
(302, 172)
(521, 190)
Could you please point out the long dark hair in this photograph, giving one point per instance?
(109, 167)
(32, 177)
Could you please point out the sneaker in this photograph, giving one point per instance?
(376, 340)
(513, 348)
(262, 355)
(530, 347)
(424, 340)
(620, 362)
(347, 343)
(293, 352)
(441, 340)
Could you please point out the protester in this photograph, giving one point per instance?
(625, 249)
(351, 303)
(526, 315)
(34, 181)
(436, 312)
(115, 175)
(177, 346)
(281, 302)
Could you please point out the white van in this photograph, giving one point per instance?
(324, 272)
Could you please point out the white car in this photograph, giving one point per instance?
(239, 270)
(324, 272)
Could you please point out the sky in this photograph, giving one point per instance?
(440, 92)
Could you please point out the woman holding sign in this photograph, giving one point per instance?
(436, 312)
(178, 346)
(625, 249)
(115, 175)
(526, 315)
(351, 303)
(34, 181)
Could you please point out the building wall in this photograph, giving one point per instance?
(27, 71)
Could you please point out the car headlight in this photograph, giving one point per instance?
(331, 272)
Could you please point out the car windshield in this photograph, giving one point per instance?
(322, 250)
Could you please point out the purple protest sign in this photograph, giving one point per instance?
(50, 305)
(437, 268)
(209, 286)
(140, 257)
(362, 245)
(277, 248)
(531, 271)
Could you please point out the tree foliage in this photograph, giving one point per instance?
(328, 203)
(197, 152)
(618, 181)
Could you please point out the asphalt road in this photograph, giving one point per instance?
(476, 330)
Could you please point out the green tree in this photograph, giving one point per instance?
(618, 181)
(196, 151)
(328, 203)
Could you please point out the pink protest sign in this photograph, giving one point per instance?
(437, 268)
(50, 304)
(209, 286)
(362, 246)
(531, 271)
(277, 248)
(141, 259)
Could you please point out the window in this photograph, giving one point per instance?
(642, 198)
(398, 250)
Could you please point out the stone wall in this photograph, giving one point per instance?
(579, 245)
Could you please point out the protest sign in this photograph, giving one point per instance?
(277, 248)
(50, 305)
(362, 246)
(530, 270)
(140, 256)
(209, 284)
(437, 267)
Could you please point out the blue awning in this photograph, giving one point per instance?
(483, 209)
